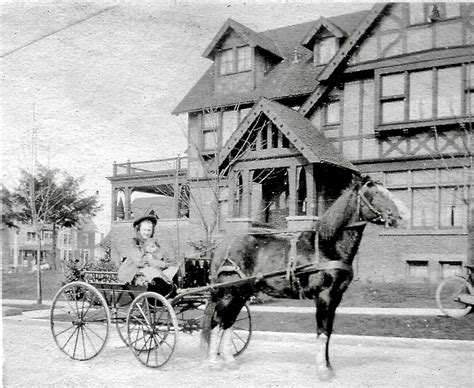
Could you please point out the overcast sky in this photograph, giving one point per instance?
(98, 80)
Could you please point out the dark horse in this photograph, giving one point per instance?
(325, 278)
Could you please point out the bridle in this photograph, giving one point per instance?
(362, 200)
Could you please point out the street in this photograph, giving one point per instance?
(32, 359)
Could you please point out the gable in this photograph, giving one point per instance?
(274, 128)
(322, 29)
(407, 28)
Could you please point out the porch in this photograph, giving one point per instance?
(165, 178)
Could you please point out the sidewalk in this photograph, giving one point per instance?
(8, 309)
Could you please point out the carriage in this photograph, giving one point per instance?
(148, 323)
(319, 261)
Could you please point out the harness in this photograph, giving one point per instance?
(293, 272)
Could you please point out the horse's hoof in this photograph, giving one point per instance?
(326, 374)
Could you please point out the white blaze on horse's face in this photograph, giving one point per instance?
(394, 211)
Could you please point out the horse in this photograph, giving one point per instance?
(334, 245)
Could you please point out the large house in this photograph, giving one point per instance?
(281, 120)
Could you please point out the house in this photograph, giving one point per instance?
(19, 245)
(281, 120)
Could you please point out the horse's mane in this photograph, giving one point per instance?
(338, 214)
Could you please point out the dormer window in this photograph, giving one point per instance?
(235, 60)
(227, 61)
(324, 50)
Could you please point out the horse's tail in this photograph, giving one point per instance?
(206, 325)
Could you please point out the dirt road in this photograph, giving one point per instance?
(272, 360)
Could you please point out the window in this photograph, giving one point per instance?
(332, 113)
(425, 94)
(450, 268)
(436, 197)
(227, 61)
(86, 254)
(66, 239)
(469, 90)
(417, 269)
(325, 49)
(235, 60)
(30, 236)
(210, 125)
(243, 58)
(85, 239)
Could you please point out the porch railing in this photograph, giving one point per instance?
(151, 166)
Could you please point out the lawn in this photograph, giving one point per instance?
(23, 286)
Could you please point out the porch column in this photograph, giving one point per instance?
(246, 194)
(114, 204)
(128, 203)
(310, 191)
(292, 188)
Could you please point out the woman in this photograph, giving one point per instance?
(146, 265)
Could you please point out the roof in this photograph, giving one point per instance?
(288, 78)
(322, 23)
(342, 55)
(300, 131)
(248, 35)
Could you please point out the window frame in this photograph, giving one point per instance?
(434, 66)
(235, 60)
(438, 185)
(332, 101)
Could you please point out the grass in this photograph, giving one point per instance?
(23, 286)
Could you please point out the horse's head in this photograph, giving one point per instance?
(378, 205)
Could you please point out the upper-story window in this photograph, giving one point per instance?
(235, 60)
(332, 113)
(85, 239)
(430, 12)
(30, 236)
(425, 94)
(210, 126)
(324, 50)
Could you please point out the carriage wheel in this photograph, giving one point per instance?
(79, 319)
(447, 296)
(152, 329)
(120, 312)
(241, 331)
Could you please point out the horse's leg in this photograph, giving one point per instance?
(227, 349)
(327, 301)
(323, 366)
(214, 341)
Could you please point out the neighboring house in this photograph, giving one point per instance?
(19, 245)
(284, 117)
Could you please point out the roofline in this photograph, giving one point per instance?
(341, 56)
(329, 25)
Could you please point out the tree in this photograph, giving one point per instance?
(54, 198)
(7, 213)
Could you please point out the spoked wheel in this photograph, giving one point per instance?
(79, 319)
(448, 293)
(241, 331)
(152, 329)
(119, 314)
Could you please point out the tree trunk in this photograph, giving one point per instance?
(54, 255)
(39, 299)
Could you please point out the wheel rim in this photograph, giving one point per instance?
(152, 329)
(241, 331)
(79, 320)
(447, 296)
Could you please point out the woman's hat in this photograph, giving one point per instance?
(150, 218)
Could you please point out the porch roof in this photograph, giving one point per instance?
(300, 131)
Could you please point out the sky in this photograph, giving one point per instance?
(97, 81)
